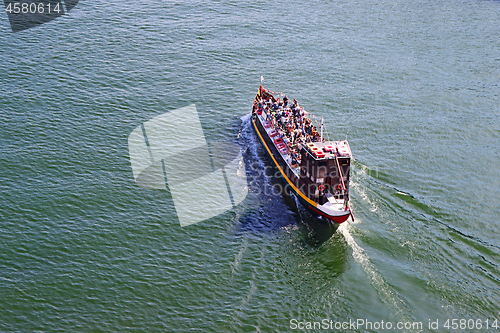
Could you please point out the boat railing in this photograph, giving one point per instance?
(286, 157)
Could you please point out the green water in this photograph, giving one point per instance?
(413, 85)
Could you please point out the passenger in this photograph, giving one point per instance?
(294, 161)
(289, 120)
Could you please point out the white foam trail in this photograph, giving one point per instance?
(237, 259)
(388, 295)
(361, 190)
(246, 117)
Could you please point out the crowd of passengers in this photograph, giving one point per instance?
(290, 121)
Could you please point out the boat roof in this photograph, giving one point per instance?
(329, 149)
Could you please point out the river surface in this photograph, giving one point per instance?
(413, 85)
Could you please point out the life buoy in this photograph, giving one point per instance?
(339, 187)
(321, 187)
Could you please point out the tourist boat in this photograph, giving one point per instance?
(316, 170)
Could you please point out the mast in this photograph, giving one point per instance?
(321, 135)
(344, 189)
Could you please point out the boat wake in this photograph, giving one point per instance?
(387, 294)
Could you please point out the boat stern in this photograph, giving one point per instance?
(335, 210)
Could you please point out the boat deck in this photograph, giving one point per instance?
(286, 156)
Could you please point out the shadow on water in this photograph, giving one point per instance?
(268, 211)
(314, 230)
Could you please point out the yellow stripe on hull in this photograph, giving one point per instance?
(296, 190)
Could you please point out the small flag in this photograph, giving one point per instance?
(261, 79)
